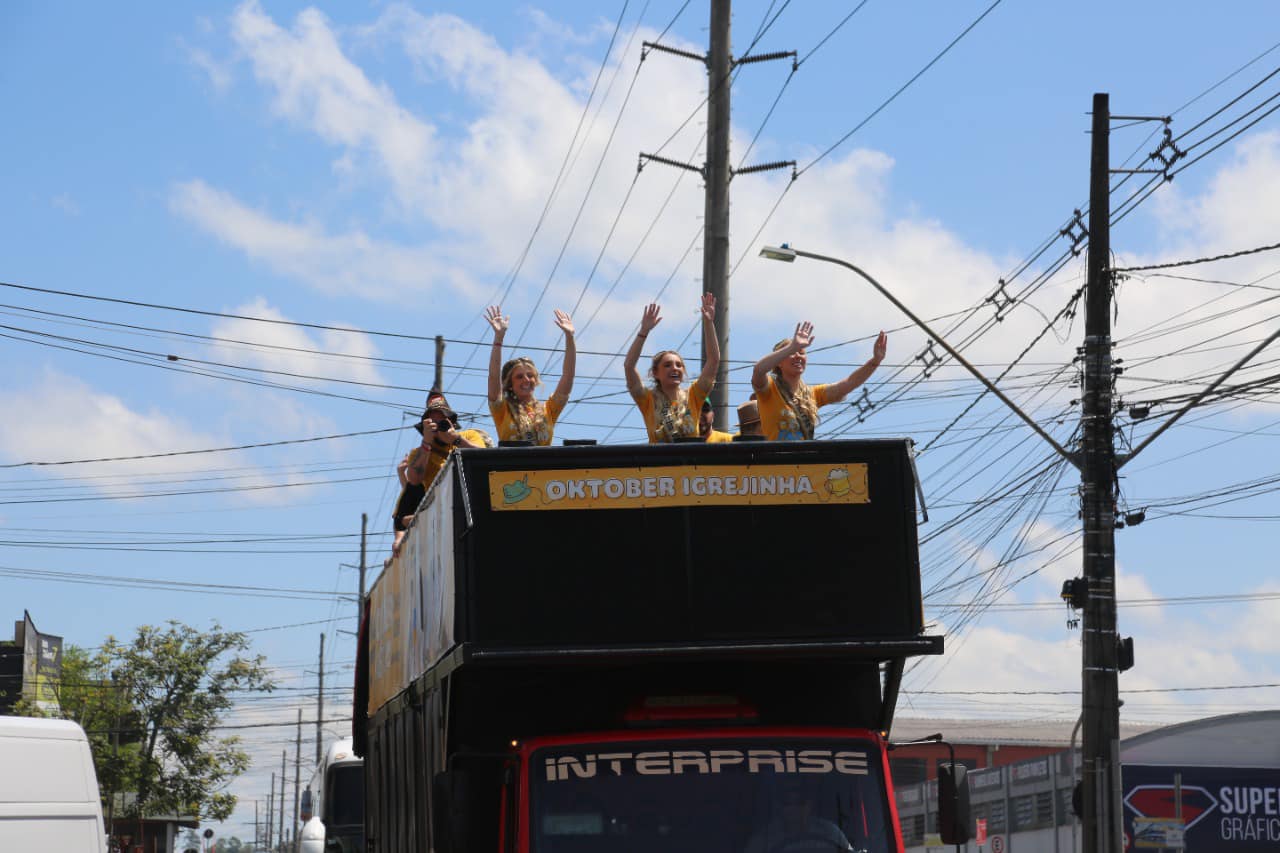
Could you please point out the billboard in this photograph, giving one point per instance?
(41, 666)
(1227, 809)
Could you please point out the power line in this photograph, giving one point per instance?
(1172, 264)
(901, 89)
(1077, 692)
(280, 443)
(167, 585)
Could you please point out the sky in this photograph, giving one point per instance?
(235, 229)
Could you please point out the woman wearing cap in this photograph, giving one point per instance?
(789, 407)
(669, 411)
(518, 415)
(440, 437)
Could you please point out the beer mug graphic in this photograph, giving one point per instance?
(838, 482)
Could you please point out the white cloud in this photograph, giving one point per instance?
(282, 347)
(316, 85)
(68, 419)
(350, 262)
(219, 73)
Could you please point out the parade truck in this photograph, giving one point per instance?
(644, 649)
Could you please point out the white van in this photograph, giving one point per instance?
(48, 789)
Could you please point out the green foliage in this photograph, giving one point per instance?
(152, 709)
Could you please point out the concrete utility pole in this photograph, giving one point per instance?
(297, 772)
(284, 757)
(271, 804)
(1100, 800)
(320, 706)
(715, 234)
(438, 384)
(364, 535)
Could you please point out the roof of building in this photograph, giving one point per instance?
(1250, 739)
(1054, 733)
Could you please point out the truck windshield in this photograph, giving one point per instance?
(710, 796)
(344, 796)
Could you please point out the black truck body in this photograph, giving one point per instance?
(679, 636)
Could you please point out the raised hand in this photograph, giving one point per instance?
(881, 348)
(651, 317)
(803, 338)
(708, 309)
(497, 321)
(565, 322)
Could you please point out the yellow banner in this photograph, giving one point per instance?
(679, 485)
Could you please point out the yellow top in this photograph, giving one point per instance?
(534, 421)
(665, 419)
(718, 437)
(778, 419)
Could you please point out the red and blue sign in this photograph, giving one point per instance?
(1222, 808)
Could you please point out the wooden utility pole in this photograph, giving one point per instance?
(715, 234)
(1100, 800)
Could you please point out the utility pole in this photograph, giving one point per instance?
(257, 827)
(438, 384)
(284, 757)
(297, 772)
(320, 704)
(715, 234)
(271, 804)
(1100, 798)
(364, 534)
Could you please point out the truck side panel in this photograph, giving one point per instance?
(406, 751)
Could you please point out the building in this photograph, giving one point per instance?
(1211, 784)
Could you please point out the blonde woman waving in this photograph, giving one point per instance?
(789, 407)
(517, 413)
(669, 410)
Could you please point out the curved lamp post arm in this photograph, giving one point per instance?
(786, 253)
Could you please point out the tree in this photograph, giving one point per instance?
(152, 709)
(180, 682)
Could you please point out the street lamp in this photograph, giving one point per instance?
(786, 253)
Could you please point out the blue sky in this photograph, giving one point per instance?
(380, 168)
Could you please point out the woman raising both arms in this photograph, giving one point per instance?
(669, 410)
(517, 414)
(789, 407)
